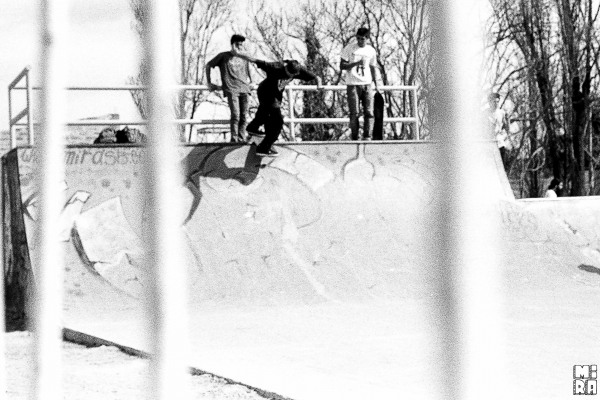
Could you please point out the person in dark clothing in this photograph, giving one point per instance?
(270, 96)
(236, 84)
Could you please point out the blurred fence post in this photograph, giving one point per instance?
(166, 295)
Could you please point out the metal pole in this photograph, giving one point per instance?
(591, 131)
(291, 113)
(166, 297)
(48, 260)
(416, 114)
(29, 110)
(13, 137)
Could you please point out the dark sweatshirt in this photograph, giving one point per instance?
(270, 90)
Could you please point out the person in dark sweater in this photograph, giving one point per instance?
(270, 95)
(236, 85)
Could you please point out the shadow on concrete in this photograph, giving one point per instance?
(213, 163)
(589, 268)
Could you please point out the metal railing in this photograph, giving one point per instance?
(291, 119)
(26, 112)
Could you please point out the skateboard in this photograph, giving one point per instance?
(378, 105)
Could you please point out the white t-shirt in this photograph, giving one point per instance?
(499, 120)
(550, 194)
(359, 74)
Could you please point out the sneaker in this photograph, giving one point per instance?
(269, 153)
(255, 133)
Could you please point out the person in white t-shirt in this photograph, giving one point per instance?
(499, 122)
(553, 189)
(359, 62)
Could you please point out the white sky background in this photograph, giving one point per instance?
(102, 48)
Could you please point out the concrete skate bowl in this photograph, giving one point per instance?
(310, 274)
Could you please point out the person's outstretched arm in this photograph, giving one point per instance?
(247, 57)
(307, 76)
(209, 66)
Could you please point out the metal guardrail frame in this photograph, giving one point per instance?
(14, 121)
(291, 120)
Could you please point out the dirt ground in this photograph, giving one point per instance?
(102, 373)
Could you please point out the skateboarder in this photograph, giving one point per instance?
(358, 60)
(235, 75)
(270, 95)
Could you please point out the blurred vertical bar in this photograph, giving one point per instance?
(3, 375)
(48, 260)
(167, 292)
(470, 337)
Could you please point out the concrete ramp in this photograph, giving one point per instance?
(310, 273)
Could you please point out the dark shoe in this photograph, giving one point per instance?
(266, 153)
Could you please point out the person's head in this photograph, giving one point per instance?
(237, 42)
(494, 99)
(362, 35)
(292, 68)
(555, 184)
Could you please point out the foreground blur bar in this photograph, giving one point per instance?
(469, 327)
(49, 172)
(3, 353)
(166, 295)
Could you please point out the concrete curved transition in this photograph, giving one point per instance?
(310, 274)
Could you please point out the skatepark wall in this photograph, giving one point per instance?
(326, 235)
(342, 192)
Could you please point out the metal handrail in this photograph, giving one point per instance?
(291, 120)
(13, 122)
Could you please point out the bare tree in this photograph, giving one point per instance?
(318, 32)
(200, 22)
(544, 56)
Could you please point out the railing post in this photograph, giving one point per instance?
(29, 116)
(13, 138)
(415, 113)
(291, 113)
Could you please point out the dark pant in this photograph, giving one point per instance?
(504, 156)
(272, 119)
(238, 106)
(360, 94)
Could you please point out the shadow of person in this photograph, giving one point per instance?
(225, 162)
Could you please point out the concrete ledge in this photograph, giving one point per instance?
(84, 339)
